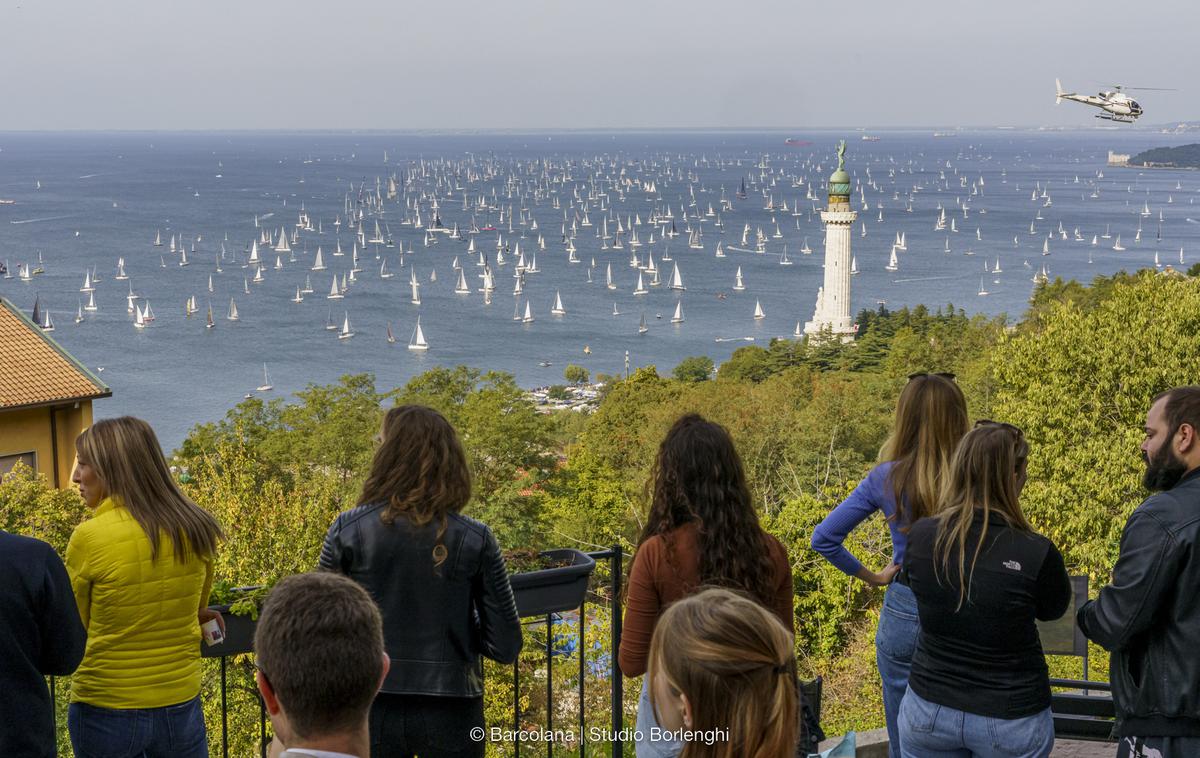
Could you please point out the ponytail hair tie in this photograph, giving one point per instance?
(781, 668)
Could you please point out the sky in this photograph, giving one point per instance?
(562, 64)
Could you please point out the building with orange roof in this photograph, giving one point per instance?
(45, 398)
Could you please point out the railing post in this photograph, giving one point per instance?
(517, 703)
(582, 660)
(224, 714)
(618, 696)
(549, 683)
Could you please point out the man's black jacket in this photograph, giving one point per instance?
(1149, 616)
(437, 619)
(40, 635)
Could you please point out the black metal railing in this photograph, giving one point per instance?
(608, 593)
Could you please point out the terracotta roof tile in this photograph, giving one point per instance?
(36, 370)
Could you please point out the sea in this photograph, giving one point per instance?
(84, 200)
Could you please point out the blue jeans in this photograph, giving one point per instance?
(938, 731)
(895, 643)
(645, 748)
(173, 731)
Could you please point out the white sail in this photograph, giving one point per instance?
(738, 284)
(676, 279)
(758, 311)
(528, 317)
(558, 309)
(893, 263)
(678, 317)
(318, 262)
(266, 386)
(417, 342)
(346, 332)
(233, 311)
(462, 288)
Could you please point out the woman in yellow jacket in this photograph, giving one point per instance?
(141, 570)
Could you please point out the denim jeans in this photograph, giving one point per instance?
(173, 731)
(644, 747)
(895, 643)
(938, 731)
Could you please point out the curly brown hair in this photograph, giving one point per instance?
(420, 470)
(699, 477)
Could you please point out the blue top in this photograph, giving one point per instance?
(872, 494)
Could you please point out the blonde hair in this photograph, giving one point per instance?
(981, 477)
(733, 660)
(931, 417)
(129, 462)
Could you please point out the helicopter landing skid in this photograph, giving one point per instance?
(1118, 119)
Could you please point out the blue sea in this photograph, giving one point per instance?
(83, 200)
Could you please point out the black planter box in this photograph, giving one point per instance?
(239, 635)
(556, 589)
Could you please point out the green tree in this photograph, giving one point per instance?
(1079, 383)
(576, 374)
(697, 368)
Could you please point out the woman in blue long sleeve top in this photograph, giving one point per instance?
(931, 417)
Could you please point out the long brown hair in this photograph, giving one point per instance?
(931, 417)
(126, 456)
(698, 476)
(419, 470)
(734, 661)
(981, 478)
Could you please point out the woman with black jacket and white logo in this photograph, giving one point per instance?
(439, 580)
(979, 685)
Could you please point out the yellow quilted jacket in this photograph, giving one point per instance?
(143, 646)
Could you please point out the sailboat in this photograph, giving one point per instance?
(391, 338)
(299, 298)
(642, 328)
(91, 303)
(139, 320)
(678, 317)
(383, 272)
(982, 291)
(79, 313)
(528, 317)
(805, 249)
(209, 324)
(87, 282)
(783, 260)
(335, 293)
(676, 279)
(738, 284)
(266, 386)
(854, 265)
(1117, 245)
(641, 287)
(758, 311)
(608, 282)
(417, 342)
(462, 288)
(558, 309)
(346, 332)
(893, 263)
(318, 262)
(233, 312)
(615, 311)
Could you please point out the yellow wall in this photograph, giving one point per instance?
(30, 429)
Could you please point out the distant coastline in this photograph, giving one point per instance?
(1181, 157)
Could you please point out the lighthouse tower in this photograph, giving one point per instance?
(833, 299)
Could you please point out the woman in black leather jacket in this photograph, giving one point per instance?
(440, 583)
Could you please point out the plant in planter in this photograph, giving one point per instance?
(550, 581)
(239, 608)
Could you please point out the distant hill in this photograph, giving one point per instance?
(1184, 156)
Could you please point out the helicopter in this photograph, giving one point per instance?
(1114, 104)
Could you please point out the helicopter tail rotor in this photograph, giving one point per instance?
(1058, 92)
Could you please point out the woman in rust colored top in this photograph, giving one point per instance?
(702, 530)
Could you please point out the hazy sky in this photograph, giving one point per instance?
(375, 64)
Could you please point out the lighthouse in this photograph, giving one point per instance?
(832, 314)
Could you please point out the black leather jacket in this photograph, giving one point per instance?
(1149, 617)
(436, 621)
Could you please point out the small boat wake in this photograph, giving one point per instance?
(45, 218)
(923, 279)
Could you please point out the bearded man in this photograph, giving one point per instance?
(1148, 617)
